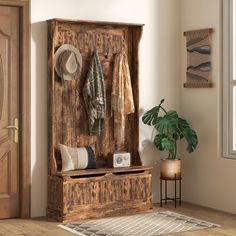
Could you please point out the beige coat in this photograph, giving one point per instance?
(122, 102)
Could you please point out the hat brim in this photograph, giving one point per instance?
(60, 50)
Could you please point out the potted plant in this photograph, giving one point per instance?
(170, 128)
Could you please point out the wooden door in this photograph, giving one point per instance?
(9, 111)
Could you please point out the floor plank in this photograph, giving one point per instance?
(47, 227)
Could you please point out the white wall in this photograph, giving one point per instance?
(159, 69)
(208, 179)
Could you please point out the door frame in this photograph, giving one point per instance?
(24, 103)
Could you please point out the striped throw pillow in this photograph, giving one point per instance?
(74, 158)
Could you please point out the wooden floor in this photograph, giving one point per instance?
(45, 227)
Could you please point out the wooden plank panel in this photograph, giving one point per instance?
(68, 100)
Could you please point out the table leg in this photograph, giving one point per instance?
(180, 192)
(165, 192)
(175, 191)
(161, 192)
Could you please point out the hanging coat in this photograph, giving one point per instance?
(122, 102)
(95, 96)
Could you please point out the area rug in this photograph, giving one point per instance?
(151, 224)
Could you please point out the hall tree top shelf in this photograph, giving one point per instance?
(81, 22)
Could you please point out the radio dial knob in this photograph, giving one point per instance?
(118, 160)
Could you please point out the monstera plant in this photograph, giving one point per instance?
(170, 128)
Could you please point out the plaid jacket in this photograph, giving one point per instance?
(95, 96)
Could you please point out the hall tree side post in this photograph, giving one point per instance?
(93, 193)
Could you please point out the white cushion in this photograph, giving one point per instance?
(74, 158)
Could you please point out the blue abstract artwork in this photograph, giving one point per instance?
(198, 45)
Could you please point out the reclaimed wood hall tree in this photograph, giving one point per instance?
(104, 191)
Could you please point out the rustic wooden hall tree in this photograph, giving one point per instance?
(104, 191)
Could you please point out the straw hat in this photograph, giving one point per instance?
(68, 62)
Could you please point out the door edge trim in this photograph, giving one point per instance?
(25, 98)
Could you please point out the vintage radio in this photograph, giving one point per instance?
(121, 159)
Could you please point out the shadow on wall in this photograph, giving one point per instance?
(39, 119)
(150, 153)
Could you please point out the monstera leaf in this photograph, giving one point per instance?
(158, 141)
(191, 138)
(182, 124)
(163, 142)
(168, 124)
(151, 116)
(168, 144)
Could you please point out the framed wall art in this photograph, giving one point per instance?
(199, 66)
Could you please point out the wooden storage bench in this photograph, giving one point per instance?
(98, 193)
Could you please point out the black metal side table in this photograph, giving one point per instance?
(166, 198)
